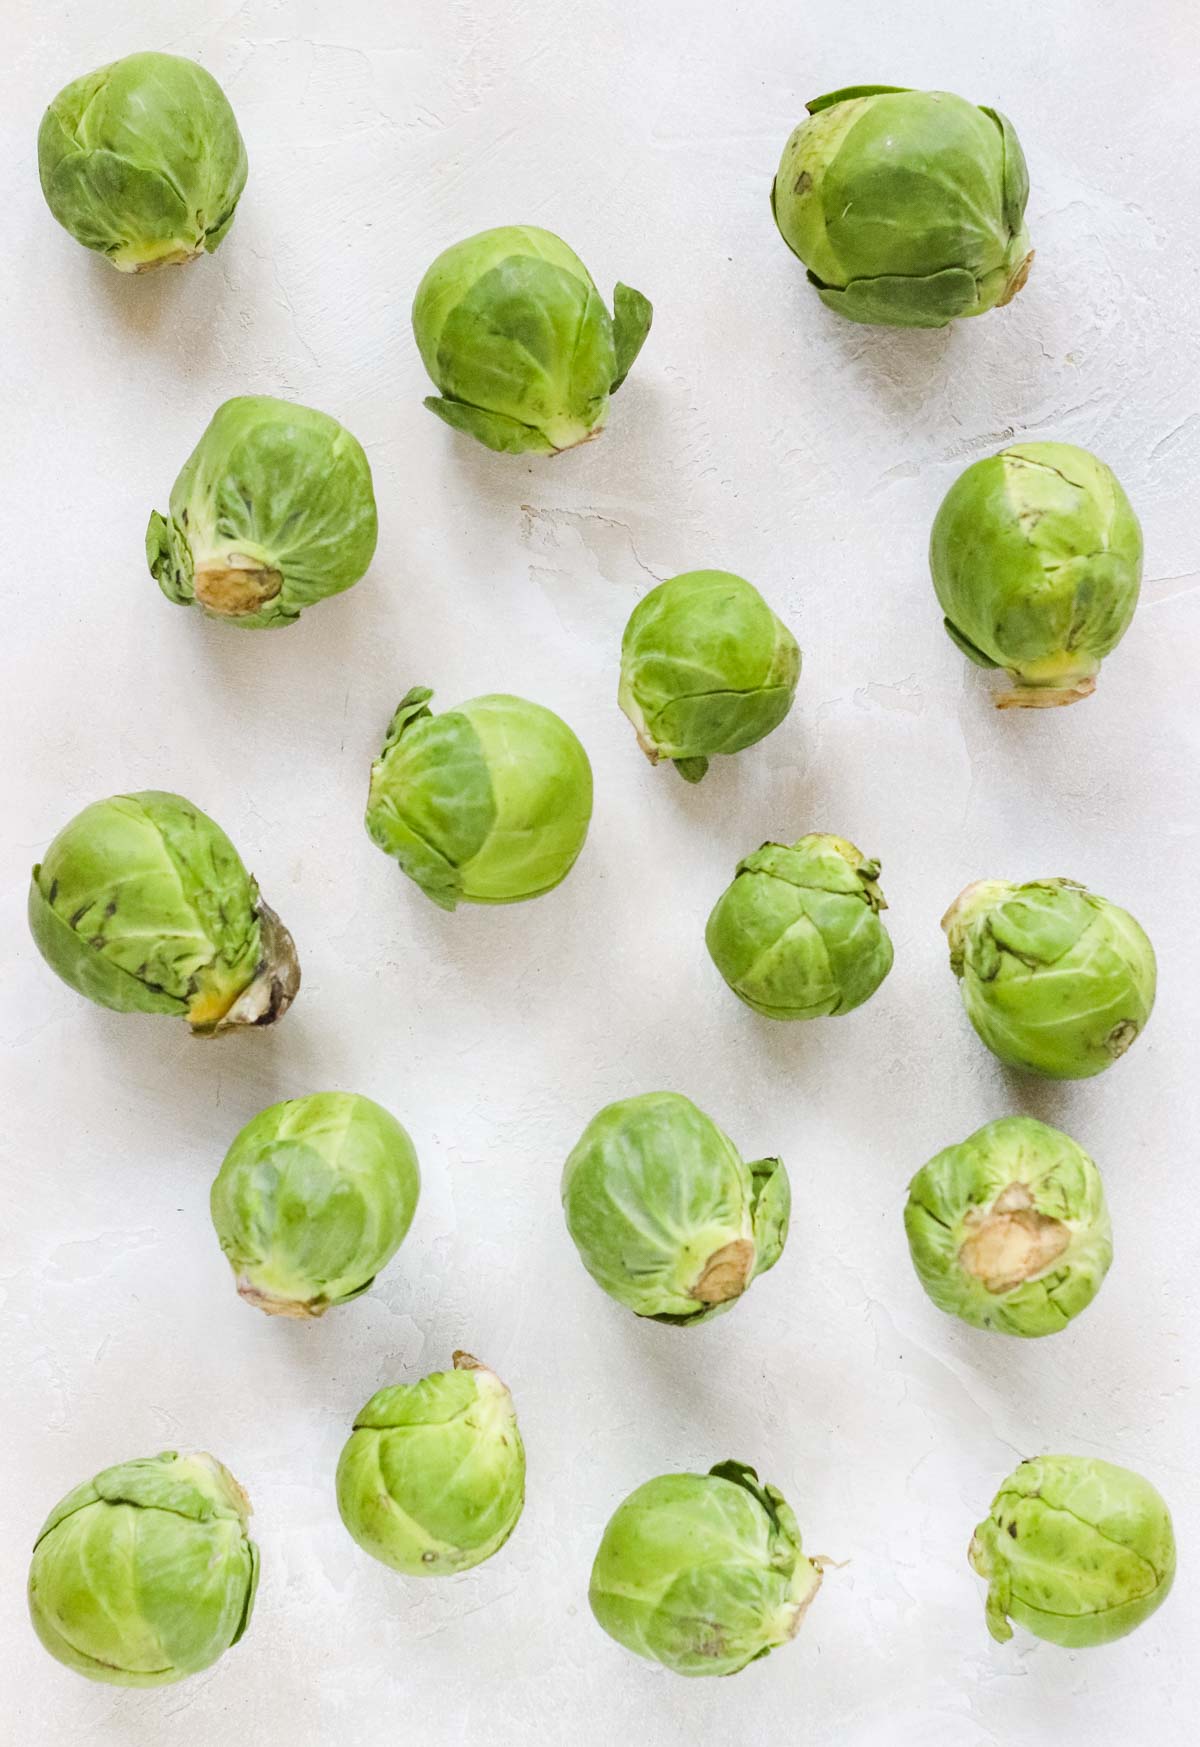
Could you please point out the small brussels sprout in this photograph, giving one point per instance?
(274, 510)
(486, 804)
(666, 1215)
(515, 335)
(1036, 557)
(706, 668)
(703, 1572)
(315, 1196)
(1054, 979)
(797, 935)
(1009, 1230)
(142, 904)
(907, 207)
(432, 1479)
(147, 1573)
(1077, 1551)
(142, 160)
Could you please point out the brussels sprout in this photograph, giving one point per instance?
(1077, 1551)
(274, 510)
(1036, 557)
(1054, 979)
(1009, 1230)
(665, 1214)
(514, 334)
(147, 1573)
(797, 935)
(432, 1480)
(314, 1197)
(706, 668)
(485, 804)
(703, 1572)
(142, 904)
(142, 160)
(907, 207)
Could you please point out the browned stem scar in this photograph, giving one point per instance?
(726, 1273)
(1010, 1242)
(236, 587)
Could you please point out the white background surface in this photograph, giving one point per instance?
(759, 434)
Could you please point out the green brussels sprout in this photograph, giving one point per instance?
(142, 904)
(1054, 979)
(907, 207)
(797, 935)
(142, 161)
(485, 804)
(515, 336)
(666, 1215)
(432, 1479)
(706, 668)
(147, 1573)
(1036, 557)
(1009, 1230)
(703, 1572)
(315, 1196)
(274, 510)
(1077, 1551)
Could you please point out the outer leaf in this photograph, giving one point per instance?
(849, 92)
(86, 970)
(506, 436)
(894, 301)
(632, 316)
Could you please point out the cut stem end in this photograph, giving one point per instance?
(1045, 697)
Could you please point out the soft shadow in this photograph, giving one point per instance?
(190, 1081)
(903, 367)
(636, 430)
(1052, 1101)
(755, 796)
(178, 310)
(246, 663)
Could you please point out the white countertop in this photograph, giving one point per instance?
(757, 433)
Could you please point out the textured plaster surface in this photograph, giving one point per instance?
(758, 434)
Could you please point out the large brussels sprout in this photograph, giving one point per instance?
(274, 509)
(315, 1196)
(798, 935)
(907, 207)
(1009, 1230)
(432, 1480)
(517, 339)
(1036, 557)
(485, 804)
(147, 1573)
(706, 668)
(703, 1572)
(666, 1215)
(142, 160)
(1076, 1550)
(142, 904)
(1054, 979)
